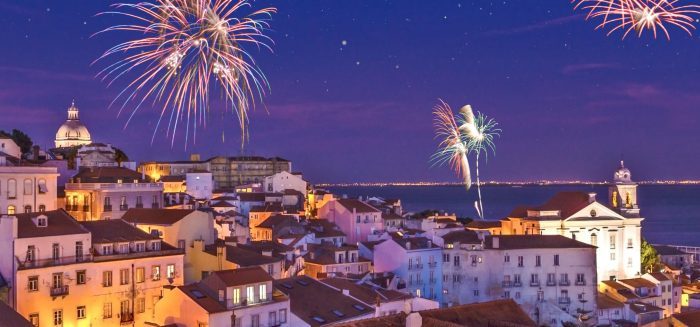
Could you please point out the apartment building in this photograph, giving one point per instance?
(237, 297)
(355, 218)
(24, 188)
(65, 272)
(97, 193)
(329, 260)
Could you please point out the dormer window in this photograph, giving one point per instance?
(119, 181)
(42, 221)
(107, 249)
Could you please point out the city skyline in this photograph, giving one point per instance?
(354, 102)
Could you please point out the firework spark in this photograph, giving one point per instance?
(461, 136)
(637, 16)
(186, 53)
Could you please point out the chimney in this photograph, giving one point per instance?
(408, 245)
(495, 242)
(430, 244)
(221, 295)
(591, 197)
(267, 253)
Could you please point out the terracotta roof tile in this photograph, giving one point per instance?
(241, 276)
(358, 205)
(116, 230)
(155, 216)
(59, 222)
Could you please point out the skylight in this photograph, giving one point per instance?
(358, 307)
(287, 286)
(318, 319)
(302, 282)
(338, 313)
(197, 294)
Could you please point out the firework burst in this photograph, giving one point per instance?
(637, 16)
(186, 53)
(461, 136)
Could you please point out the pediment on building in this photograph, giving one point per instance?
(595, 211)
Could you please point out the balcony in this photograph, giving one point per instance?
(107, 208)
(551, 283)
(86, 208)
(517, 284)
(155, 205)
(564, 282)
(580, 283)
(59, 291)
(535, 283)
(432, 264)
(126, 318)
(115, 186)
(564, 300)
(54, 262)
(432, 280)
(506, 284)
(71, 207)
(123, 207)
(248, 302)
(139, 205)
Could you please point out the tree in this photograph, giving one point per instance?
(120, 156)
(649, 257)
(21, 139)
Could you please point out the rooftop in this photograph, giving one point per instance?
(115, 230)
(366, 292)
(357, 205)
(108, 175)
(244, 257)
(59, 222)
(241, 276)
(691, 318)
(304, 294)
(637, 282)
(668, 250)
(202, 298)
(511, 242)
(462, 236)
(155, 216)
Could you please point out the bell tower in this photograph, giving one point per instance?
(623, 192)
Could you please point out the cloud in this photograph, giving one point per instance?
(576, 68)
(536, 26)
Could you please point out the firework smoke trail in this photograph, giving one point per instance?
(480, 132)
(186, 53)
(460, 136)
(637, 16)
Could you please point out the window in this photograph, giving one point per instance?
(594, 239)
(33, 284)
(456, 261)
(520, 261)
(42, 186)
(27, 209)
(357, 220)
(538, 261)
(474, 260)
(107, 278)
(236, 295)
(11, 190)
(107, 249)
(140, 247)
(155, 272)
(272, 318)
(141, 304)
(181, 244)
(263, 292)
(506, 258)
(81, 312)
(78, 250)
(80, 277)
(140, 274)
(446, 257)
(612, 256)
(34, 319)
(255, 320)
(476, 292)
(42, 208)
(630, 244)
(124, 248)
(534, 279)
(31, 253)
(250, 294)
(170, 271)
(58, 317)
(28, 187)
(55, 251)
(612, 241)
(556, 259)
(123, 276)
(283, 316)
(11, 210)
(107, 310)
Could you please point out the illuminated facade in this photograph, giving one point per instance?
(102, 273)
(108, 192)
(27, 189)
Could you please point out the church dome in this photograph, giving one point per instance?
(72, 132)
(623, 175)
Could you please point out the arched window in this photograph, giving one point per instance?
(42, 208)
(10, 210)
(41, 184)
(11, 189)
(27, 209)
(594, 239)
(28, 186)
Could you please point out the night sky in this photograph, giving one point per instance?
(571, 101)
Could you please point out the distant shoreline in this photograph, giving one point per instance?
(497, 183)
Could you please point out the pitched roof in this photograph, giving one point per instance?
(484, 224)
(324, 254)
(691, 318)
(636, 282)
(155, 216)
(640, 307)
(304, 294)
(462, 236)
(416, 243)
(222, 204)
(276, 220)
(606, 302)
(244, 257)
(668, 250)
(660, 276)
(172, 179)
(370, 244)
(365, 292)
(241, 276)
(498, 313)
(357, 205)
(202, 298)
(11, 317)
(108, 175)
(59, 222)
(507, 242)
(115, 230)
(268, 207)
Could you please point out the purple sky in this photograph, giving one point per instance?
(571, 101)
